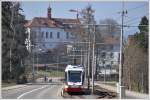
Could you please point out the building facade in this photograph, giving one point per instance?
(47, 33)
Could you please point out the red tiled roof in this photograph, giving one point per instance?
(67, 21)
(46, 22)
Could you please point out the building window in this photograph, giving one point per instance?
(58, 35)
(111, 55)
(67, 35)
(103, 54)
(51, 34)
(118, 57)
(46, 34)
(103, 47)
(35, 35)
(42, 34)
(111, 47)
(112, 62)
(103, 62)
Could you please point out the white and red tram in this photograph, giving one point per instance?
(74, 78)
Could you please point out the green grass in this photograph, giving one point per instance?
(8, 84)
(51, 73)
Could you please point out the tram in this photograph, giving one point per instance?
(74, 78)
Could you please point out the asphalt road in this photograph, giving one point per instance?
(41, 91)
(51, 90)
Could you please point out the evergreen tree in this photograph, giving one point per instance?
(6, 38)
(144, 21)
(13, 38)
(142, 36)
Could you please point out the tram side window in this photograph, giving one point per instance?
(82, 78)
(65, 77)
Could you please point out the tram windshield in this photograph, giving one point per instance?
(74, 76)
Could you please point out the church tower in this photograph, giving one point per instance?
(49, 12)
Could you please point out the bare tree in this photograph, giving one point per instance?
(112, 28)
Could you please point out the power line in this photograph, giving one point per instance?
(134, 25)
(129, 30)
(135, 18)
(130, 9)
(133, 22)
(135, 8)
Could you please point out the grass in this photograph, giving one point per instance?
(111, 83)
(51, 73)
(8, 84)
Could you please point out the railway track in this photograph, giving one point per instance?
(99, 93)
(104, 93)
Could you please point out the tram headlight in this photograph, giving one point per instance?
(81, 86)
(66, 86)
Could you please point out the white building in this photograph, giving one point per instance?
(108, 57)
(47, 32)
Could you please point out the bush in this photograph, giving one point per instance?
(22, 80)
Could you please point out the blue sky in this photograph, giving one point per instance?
(102, 9)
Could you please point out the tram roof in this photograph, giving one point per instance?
(74, 68)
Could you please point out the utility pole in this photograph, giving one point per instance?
(122, 88)
(105, 74)
(81, 57)
(37, 62)
(84, 61)
(57, 64)
(89, 48)
(93, 61)
(33, 71)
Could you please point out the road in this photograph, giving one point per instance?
(38, 90)
(45, 91)
(42, 91)
(52, 90)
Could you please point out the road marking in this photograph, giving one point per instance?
(30, 92)
(59, 91)
(43, 92)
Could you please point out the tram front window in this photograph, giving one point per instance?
(74, 76)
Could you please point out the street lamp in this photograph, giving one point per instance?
(33, 69)
(77, 11)
(89, 47)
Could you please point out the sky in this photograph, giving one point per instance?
(103, 10)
